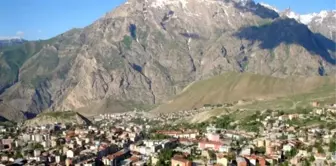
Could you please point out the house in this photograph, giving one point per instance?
(287, 147)
(283, 117)
(214, 145)
(180, 134)
(302, 153)
(259, 142)
(246, 151)
(295, 161)
(222, 159)
(116, 158)
(319, 159)
(212, 129)
(319, 111)
(256, 160)
(70, 153)
(315, 104)
(7, 143)
(293, 116)
(37, 153)
(241, 161)
(178, 160)
(213, 137)
(333, 157)
(154, 159)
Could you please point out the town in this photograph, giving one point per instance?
(268, 137)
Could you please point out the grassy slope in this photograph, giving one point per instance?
(231, 87)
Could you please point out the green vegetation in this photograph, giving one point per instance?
(291, 153)
(319, 148)
(127, 41)
(305, 122)
(223, 122)
(7, 124)
(164, 157)
(260, 150)
(158, 136)
(37, 146)
(332, 146)
(250, 123)
(58, 114)
(12, 58)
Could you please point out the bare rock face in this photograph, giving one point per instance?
(146, 51)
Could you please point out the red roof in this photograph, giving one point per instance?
(134, 158)
(180, 159)
(176, 132)
(117, 154)
(211, 142)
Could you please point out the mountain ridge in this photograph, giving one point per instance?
(142, 54)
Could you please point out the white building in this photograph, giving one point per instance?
(70, 154)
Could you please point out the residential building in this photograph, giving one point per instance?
(180, 161)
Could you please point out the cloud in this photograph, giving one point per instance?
(39, 31)
(20, 33)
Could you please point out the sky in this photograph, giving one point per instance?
(43, 19)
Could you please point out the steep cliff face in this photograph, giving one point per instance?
(145, 51)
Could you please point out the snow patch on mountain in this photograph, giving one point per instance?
(307, 18)
(269, 7)
(163, 3)
(304, 18)
(10, 38)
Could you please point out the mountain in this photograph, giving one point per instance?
(322, 22)
(6, 42)
(146, 51)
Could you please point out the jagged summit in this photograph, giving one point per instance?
(304, 18)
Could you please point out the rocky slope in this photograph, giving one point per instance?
(146, 51)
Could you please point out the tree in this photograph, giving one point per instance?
(332, 146)
(37, 146)
(165, 155)
(260, 150)
(311, 158)
(158, 136)
(291, 153)
(306, 163)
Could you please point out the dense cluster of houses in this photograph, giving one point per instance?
(122, 139)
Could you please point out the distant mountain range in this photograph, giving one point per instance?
(323, 22)
(145, 52)
(5, 42)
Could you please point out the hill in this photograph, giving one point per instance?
(258, 91)
(57, 117)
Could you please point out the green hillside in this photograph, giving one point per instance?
(259, 92)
